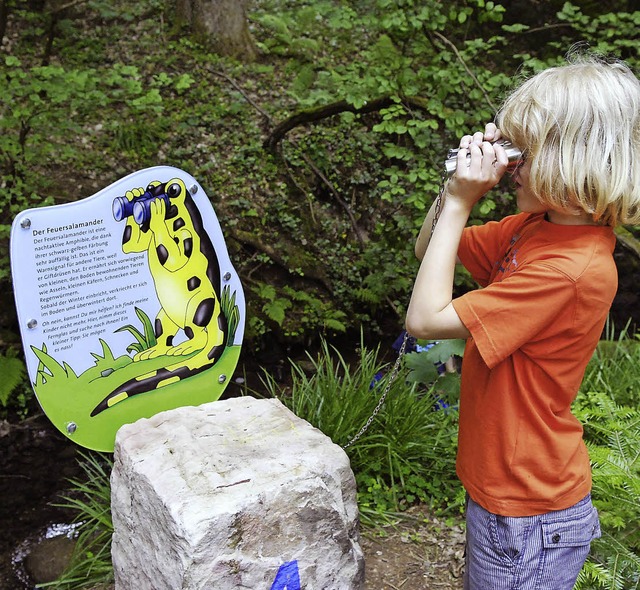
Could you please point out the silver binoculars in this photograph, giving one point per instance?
(513, 153)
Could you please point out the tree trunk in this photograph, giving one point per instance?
(220, 24)
(4, 15)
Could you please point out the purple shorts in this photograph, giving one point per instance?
(543, 552)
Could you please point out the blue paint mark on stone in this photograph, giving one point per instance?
(287, 577)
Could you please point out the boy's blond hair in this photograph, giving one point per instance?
(580, 125)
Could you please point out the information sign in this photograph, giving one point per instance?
(128, 304)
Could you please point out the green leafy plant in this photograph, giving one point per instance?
(424, 367)
(608, 408)
(274, 307)
(316, 313)
(405, 456)
(230, 311)
(145, 339)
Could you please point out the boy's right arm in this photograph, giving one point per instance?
(422, 241)
(491, 134)
(430, 313)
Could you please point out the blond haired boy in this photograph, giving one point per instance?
(548, 279)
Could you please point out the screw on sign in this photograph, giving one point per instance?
(287, 577)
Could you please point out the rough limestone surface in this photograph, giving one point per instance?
(233, 494)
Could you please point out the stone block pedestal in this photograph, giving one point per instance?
(233, 494)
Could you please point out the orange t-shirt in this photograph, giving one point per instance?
(534, 327)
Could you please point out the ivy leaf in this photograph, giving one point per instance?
(443, 350)
(516, 28)
(422, 370)
(184, 82)
(448, 387)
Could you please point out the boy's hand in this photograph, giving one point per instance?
(491, 133)
(480, 172)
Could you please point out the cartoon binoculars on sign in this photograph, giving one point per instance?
(140, 207)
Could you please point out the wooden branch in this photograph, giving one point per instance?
(62, 7)
(332, 109)
(360, 234)
(303, 190)
(242, 92)
(546, 28)
(464, 65)
(310, 271)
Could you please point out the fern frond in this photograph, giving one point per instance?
(593, 576)
(13, 373)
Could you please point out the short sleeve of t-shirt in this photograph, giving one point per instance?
(506, 315)
(482, 245)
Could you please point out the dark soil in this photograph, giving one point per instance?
(421, 552)
(35, 464)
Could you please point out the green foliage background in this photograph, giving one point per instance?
(321, 226)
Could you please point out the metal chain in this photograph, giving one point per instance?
(438, 205)
(383, 397)
(403, 346)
